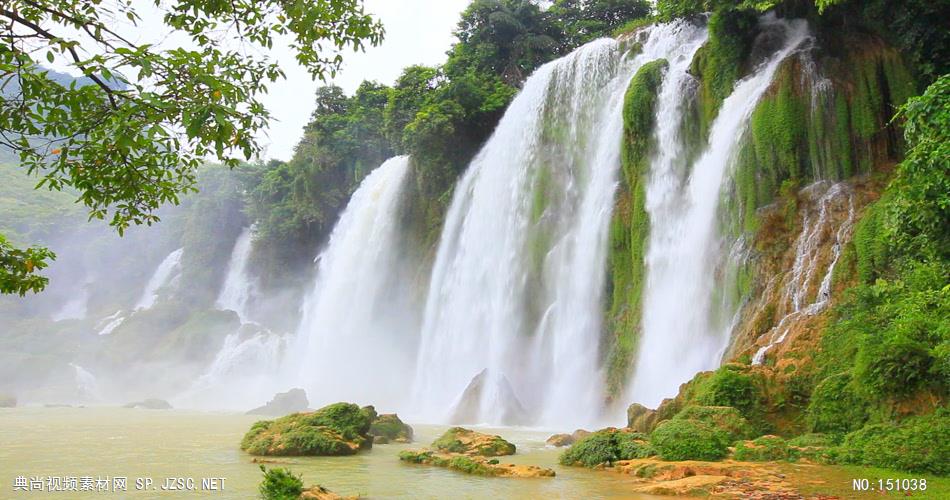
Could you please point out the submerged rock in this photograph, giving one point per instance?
(292, 401)
(337, 429)
(150, 404)
(387, 427)
(7, 401)
(470, 443)
(469, 409)
(479, 466)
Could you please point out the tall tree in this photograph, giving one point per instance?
(133, 138)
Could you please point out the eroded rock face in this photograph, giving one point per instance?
(292, 401)
(468, 409)
(389, 428)
(150, 404)
(466, 442)
(640, 418)
(337, 429)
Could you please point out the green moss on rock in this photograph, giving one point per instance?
(681, 439)
(467, 442)
(630, 226)
(337, 429)
(835, 407)
(607, 446)
(391, 427)
(724, 418)
(764, 449)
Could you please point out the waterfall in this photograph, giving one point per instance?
(106, 325)
(355, 339)
(161, 277)
(86, 383)
(517, 286)
(237, 287)
(679, 337)
(76, 306)
(801, 281)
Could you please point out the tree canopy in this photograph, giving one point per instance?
(130, 135)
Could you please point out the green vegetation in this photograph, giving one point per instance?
(836, 407)
(763, 449)
(629, 225)
(337, 429)
(919, 444)
(724, 418)
(280, 484)
(460, 440)
(606, 446)
(460, 463)
(681, 439)
(129, 135)
(391, 428)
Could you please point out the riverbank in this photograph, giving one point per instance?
(161, 444)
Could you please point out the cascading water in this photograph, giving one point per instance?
(237, 288)
(162, 276)
(355, 341)
(516, 291)
(679, 337)
(801, 282)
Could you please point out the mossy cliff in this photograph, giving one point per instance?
(631, 224)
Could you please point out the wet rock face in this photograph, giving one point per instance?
(292, 401)
(469, 410)
(640, 418)
(389, 428)
(150, 404)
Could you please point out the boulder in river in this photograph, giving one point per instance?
(292, 401)
(388, 428)
(468, 409)
(471, 443)
(150, 404)
(560, 440)
(337, 429)
(479, 466)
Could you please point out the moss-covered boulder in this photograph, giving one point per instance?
(337, 429)
(683, 439)
(466, 442)
(388, 428)
(476, 465)
(607, 446)
(724, 418)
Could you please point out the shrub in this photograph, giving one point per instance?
(729, 387)
(680, 439)
(896, 365)
(919, 444)
(835, 407)
(280, 484)
(764, 449)
(607, 446)
(724, 418)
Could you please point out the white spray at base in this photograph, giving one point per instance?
(356, 337)
(517, 287)
(679, 337)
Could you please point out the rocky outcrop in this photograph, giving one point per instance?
(560, 440)
(292, 401)
(321, 493)
(640, 418)
(150, 404)
(470, 443)
(476, 465)
(389, 428)
(337, 429)
(468, 409)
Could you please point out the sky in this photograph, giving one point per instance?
(417, 32)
